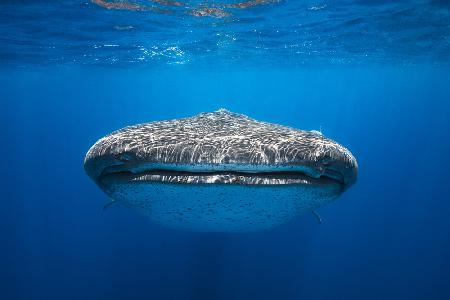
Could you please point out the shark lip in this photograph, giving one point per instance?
(265, 177)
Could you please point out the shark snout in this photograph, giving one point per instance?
(342, 171)
(97, 167)
(338, 163)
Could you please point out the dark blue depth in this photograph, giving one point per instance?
(371, 74)
(386, 238)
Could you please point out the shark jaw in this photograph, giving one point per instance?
(219, 201)
(219, 198)
(256, 175)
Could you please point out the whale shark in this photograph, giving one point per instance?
(220, 171)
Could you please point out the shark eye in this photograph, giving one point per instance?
(125, 156)
(326, 161)
(317, 132)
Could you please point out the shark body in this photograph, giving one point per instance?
(220, 171)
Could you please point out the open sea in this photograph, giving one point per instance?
(374, 75)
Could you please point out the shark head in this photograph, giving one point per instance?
(220, 171)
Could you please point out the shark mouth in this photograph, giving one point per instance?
(245, 175)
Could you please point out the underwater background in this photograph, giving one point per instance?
(372, 75)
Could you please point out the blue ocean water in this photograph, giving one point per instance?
(373, 75)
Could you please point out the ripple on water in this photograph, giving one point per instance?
(253, 33)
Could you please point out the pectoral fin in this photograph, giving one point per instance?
(107, 205)
(319, 219)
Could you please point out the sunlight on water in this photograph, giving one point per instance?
(193, 8)
(154, 33)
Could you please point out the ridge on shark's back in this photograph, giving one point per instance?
(220, 171)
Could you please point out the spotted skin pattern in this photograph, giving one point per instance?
(220, 137)
(233, 166)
